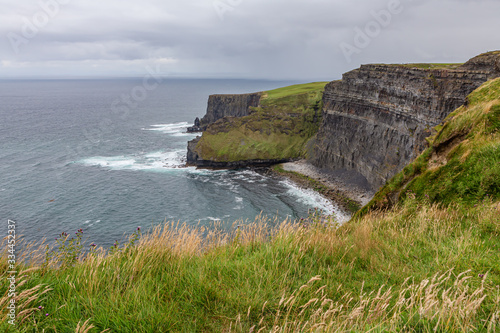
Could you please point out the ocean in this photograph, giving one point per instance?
(108, 156)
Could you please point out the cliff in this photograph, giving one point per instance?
(221, 106)
(461, 166)
(242, 131)
(375, 120)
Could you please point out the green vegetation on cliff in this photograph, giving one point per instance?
(426, 262)
(278, 129)
(431, 66)
(462, 163)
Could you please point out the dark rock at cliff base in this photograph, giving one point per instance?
(376, 119)
(196, 127)
(204, 164)
(192, 156)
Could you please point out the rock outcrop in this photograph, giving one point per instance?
(194, 159)
(221, 106)
(257, 129)
(375, 120)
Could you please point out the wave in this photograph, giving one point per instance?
(215, 219)
(186, 134)
(155, 161)
(313, 199)
(175, 129)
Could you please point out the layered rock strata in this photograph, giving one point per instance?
(375, 120)
(221, 106)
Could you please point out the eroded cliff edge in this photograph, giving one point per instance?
(375, 120)
(221, 106)
(257, 129)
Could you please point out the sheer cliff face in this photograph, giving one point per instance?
(376, 119)
(220, 106)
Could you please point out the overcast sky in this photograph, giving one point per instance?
(269, 39)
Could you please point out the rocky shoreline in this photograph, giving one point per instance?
(347, 195)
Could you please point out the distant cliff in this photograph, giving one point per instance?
(221, 106)
(257, 129)
(375, 120)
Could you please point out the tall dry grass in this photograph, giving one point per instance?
(178, 275)
(444, 302)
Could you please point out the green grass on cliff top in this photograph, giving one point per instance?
(296, 89)
(279, 129)
(427, 65)
(431, 66)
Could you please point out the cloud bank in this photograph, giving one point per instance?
(277, 39)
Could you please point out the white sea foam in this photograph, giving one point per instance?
(314, 199)
(155, 161)
(215, 219)
(191, 135)
(239, 201)
(177, 129)
(204, 172)
(113, 162)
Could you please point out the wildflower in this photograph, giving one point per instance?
(40, 307)
(481, 276)
(46, 315)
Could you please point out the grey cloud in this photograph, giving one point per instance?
(293, 39)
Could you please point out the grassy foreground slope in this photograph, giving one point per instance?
(279, 129)
(427, 262)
